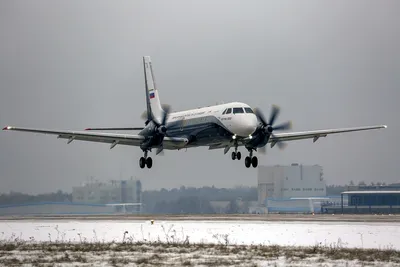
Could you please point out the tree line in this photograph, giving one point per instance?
(173, 201)
(178, 200)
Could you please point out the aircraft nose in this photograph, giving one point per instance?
(249, 125)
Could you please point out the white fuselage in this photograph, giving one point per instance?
(236, 117)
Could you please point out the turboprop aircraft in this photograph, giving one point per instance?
(223, 126)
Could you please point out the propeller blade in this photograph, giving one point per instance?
(275, 141)
(260, 116)
(165, 114)
(262, 150)
(144, 115)
(274, 114)
(166, 106)
(281, 145)
(283, 126)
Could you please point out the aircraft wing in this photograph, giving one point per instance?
(116, 129)
(110, 138)
(318, 133)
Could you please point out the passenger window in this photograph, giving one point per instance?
(248, 110)
(237, 110)
(228, 111)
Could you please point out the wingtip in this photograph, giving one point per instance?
(6, 128)
(384, 126)
(88, 129)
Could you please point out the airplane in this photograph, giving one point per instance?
(222, 126)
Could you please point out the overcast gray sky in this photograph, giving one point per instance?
(75, 64)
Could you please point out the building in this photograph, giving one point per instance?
(283, 182)
(378, 201)
(378, 187)
(294, 188)
(115, 197)
(123, 191)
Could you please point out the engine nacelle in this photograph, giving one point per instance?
(162, 129)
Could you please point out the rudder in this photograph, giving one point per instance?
(154, 109)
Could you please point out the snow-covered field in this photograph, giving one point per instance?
(348, 234)
(201, 243)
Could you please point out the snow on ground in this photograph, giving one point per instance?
(348, 234)
(158, 254)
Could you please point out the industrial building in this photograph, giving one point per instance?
(294, 188)
(115, 197)
(123, 191)
(377, 202)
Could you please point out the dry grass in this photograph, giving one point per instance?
(164, 254)
(175, 252)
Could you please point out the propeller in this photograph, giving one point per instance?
(268, 127)
(162, 129)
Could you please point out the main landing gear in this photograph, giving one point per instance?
(145, 161)
(250, 160)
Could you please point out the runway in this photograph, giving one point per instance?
(217, 217)
(361, 234)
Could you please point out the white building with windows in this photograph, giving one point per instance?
(290, 185)
(115, 197)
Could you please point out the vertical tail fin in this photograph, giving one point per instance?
(154, 109)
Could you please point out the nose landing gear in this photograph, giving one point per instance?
(145, 161)
(236, 155)
(250, 160)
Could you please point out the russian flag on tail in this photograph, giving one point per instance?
(151, 95)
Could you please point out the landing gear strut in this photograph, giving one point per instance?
(250, 160)
(236, 154)
(145, 161)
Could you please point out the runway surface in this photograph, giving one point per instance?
(286, 233)
(219, 217)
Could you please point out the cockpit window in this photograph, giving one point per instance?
(228, 111)
(224, 111)
(248, 110)
(237, 110)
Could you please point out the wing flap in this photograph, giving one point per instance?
(319, 133)
(123, 139)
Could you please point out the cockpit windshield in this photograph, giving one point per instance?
(248, 110)
(237, 110)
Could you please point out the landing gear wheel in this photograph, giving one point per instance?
(149, 162)
(254, 161)
(238, 155)
(247, 162)
(142, 162)
(233, 155)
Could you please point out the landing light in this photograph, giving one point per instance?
(250, 136)
(234, 137)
